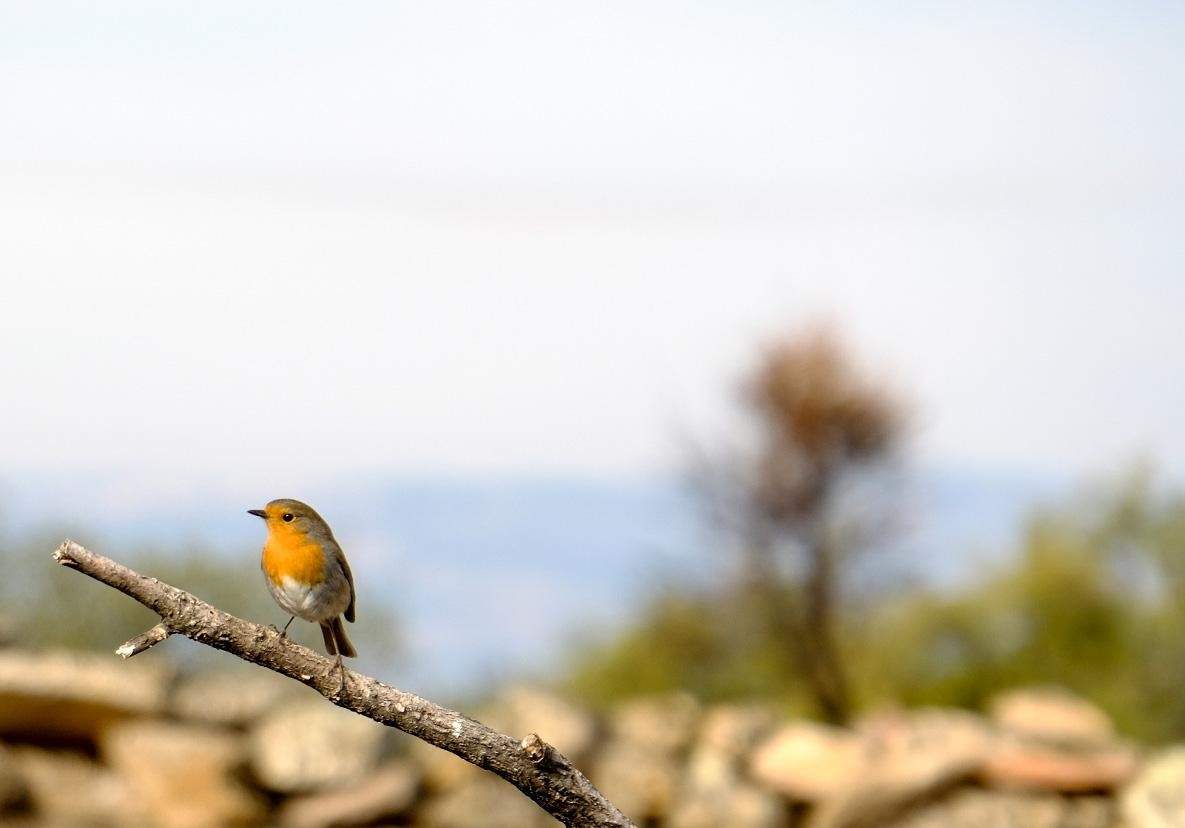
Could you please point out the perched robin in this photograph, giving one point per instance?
(307, 572)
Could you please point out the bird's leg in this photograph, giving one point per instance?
(284, 632)
(340, 666)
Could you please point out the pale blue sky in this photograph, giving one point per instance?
(258, 245)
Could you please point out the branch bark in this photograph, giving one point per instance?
(146, 639)
(532, 766)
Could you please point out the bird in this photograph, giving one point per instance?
(308, 574)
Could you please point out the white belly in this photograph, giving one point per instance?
(302, 600)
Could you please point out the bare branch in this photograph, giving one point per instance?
(532, 766)
(142, 642)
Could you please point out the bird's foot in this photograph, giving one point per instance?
(340, 667)
(284, 632)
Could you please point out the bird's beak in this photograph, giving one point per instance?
(258, 513)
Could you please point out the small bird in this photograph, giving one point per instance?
(307, 573)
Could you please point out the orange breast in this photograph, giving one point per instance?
(289, 554)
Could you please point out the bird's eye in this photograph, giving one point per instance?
(286, 517)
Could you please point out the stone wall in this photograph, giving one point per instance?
(90, 740)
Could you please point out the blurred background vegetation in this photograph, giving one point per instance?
(802, 611)
(1093, 599)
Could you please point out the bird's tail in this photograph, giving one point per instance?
(336, 640)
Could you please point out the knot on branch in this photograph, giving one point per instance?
(536, 749)
(62, 554)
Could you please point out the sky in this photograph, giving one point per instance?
(339, 253)
(260, 246)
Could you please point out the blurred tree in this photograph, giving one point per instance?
(698, 640)
(1093, 600)
(796, 505)
(823, 429)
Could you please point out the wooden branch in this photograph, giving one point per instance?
(532, 766)
(142, 642)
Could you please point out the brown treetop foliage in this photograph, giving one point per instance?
(821, 414)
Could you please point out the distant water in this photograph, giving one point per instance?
(490, 577)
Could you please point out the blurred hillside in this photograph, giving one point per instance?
(1093, 599)
(423, 547)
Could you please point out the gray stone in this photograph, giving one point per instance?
(808, 762)
(974, 808)
(1156, 797)
(486, 802)
(662, 724)
(67, 786)
(639, 769)
(522, 710)
(235, 698)
(13, 787)
(182, 776)
(61, 695)
(715, 789)
(640, 781)
(742, 806)
(441, 770)
(709, 770)
(734, 730)
(1052, 715)
(907, 758)
(1026, 765)
(310, 744)
(385, 793)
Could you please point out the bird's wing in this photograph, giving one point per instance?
(345, 565)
